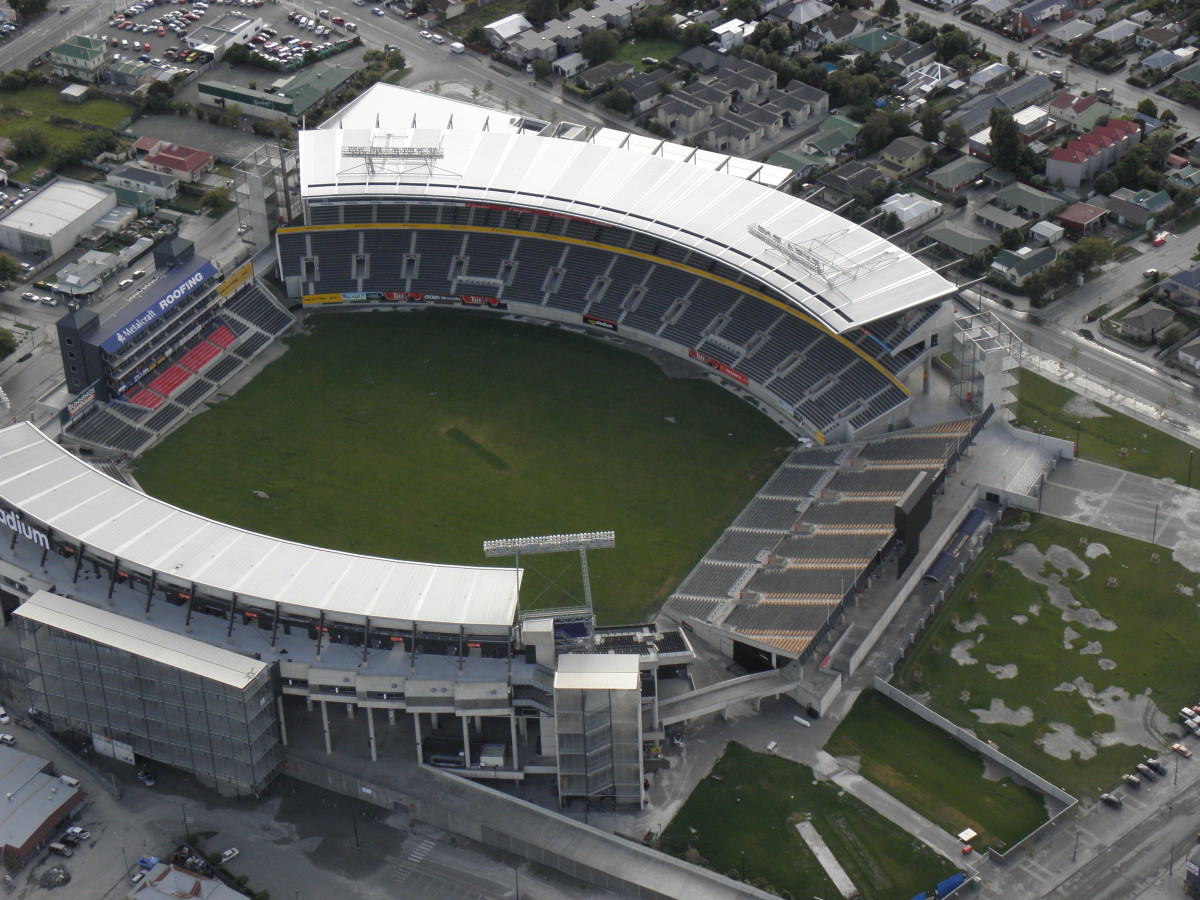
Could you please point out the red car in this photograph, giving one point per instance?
(162, 32)
(306, 44)
(410, 15)
(1160, 239)
(146, 46)
(338, 20)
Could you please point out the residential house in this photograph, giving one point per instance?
(565, 36)
(186, 163)
(834, 137)
(1028, 202)
(904, 156)
(1161, 63)
(734, 135)
(1070, 34)
(570, 65)
(1158, 37)
(838, 185)
(800, 13)
(1139, 210)
(912, 58)
(504, 31)
(911, 209)
(991, 11)
(957, 175)
(1080, 113)
(683, 116)
(1186, 177)
(1031, 18)
(1032, 90)
(1189, 354)
(1082, 218)
(801, 164)
(159, 185)
(999, 219)
(598, 76)
(928, 79)
(1014, 266)
(1121, 34)
(531, 45)
(834, 30)
(1146, 322)
(877, 40)
(990, 78)
(80, 57)
(648, 89)
(732, 34)
(798, 102)
(1183, 288)
(130, 73)
(1092, 153)
(1033, 123)
(1191, 74)
(958, 239)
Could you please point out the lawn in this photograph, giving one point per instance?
(1043, 408)
(1132, 653)
(934, 774)
(635, 49)
(745, 822)
(419, 435)
(33, 106)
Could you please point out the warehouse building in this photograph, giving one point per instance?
(53, 220)
(38, 804)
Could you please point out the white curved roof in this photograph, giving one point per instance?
(660, 194)
(42, 480)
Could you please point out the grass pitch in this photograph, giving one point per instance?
(1144, 649)
(745, 823)
(420, 435)
(934, 774)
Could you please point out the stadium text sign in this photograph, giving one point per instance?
(597, 322)
(81, 404)
(719, 366)
(160, 307)
(13, 522)
(241, 276)
(407, 297)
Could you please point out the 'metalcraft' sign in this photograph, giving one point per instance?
(13, 522)
(126, 332)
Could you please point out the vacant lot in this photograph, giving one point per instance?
(1105, 435)
(741, 821)
(934, 774)
(32, 107)
(420, 435)
(1063, 644)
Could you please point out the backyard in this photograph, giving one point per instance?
(934, 774)
(741, 821)
(1064, 645)
(31, 109)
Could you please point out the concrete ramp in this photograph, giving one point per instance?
(719, 697)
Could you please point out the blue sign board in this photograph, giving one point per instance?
(174, 289)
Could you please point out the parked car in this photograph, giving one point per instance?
(146, 777)
(229, 855)
(1160, 238)
(5, 718)
(76, 831)
(1157, 766)
(425, 34)
(8, 740)
(1182, 750)
(1133, 781)
(1111, 800)
(1146, 772)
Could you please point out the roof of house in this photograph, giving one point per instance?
(80, 47)
(1149, 315)
(1022, 196)
(144, 176)
(1026, 260)
(607, 71)
(1124, 209)
(874, 41)
(1001, 218)
(914, 55)
(1191, 73)
(839, 27)
(1159, 34)
(179, 157)
(850, 177)
(834, 133)
(995, 7)
(1117, 32)
(959, 171)
(990, 73)
(1067, 103)
(1074, 30)
(906, 147)
(1081, 214)
(1031, 89)
(958, 238)
(1189, 278)
(909, 206)
(1160, 59)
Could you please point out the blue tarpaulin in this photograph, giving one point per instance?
(954, 881)
(956, 545)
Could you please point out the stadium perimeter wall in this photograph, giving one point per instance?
(469, 810)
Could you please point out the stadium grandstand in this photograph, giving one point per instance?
(814, 318)
(136, 371)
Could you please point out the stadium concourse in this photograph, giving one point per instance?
(410, 200)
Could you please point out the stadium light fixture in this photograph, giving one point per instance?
(550, 543)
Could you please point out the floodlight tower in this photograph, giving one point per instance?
(558, 543)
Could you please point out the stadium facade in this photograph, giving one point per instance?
(410, 201)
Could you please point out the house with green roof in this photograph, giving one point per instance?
(289, 98)
(834, 136)
(875, 41)
(803, 164)
(80, 58)
(1028, 202)
(1014, 266)
(1191, 74)
(956, 238)
(957, 175)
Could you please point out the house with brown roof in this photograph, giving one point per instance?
(185, 163)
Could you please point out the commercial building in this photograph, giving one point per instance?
(218, 36)
(290, 98)
(39, 803)
(53, 220)
(169, 698)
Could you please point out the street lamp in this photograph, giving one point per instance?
(1077, 438)
(1189, 478)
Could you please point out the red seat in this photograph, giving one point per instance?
(223, 336)
(146, 398)
(169, 381)
(199, 356)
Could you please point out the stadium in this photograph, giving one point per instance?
(411, 202)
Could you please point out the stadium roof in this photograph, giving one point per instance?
(142, 639)
(666, 190)
(48, 483)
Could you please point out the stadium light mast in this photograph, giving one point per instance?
(560, 543)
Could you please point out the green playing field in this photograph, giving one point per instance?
(420, 435)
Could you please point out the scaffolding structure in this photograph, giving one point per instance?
(987, 357)
(264, 184)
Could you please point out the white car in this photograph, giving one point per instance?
(426, 35)
(231, 854)
(5, 718)
(8, 739)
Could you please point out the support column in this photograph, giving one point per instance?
(282, 723)
(391, 716)
(308, 702)
(371, 733)
(516, 753)
(349, 710)
(466, 742)
(433, 717)
(417, 725)
(325, 726)
(479, 723)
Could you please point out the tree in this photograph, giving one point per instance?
(598, 46)
(1148, 107)
(879, 130)
(27, 9)
(1168, 116)
(1006, 142)
(618, 100)
(1158, 147)
(951, 44)
(539, 12)
(29, 141)
(695, 34)
(919, 31)
(1013, 60)
(746, 10)
(931, 123)
(9, 270)
(890, 9)
(1107, 182)
(955, 135)
(231, 116)
(541, 68)
(1036, 286)
(1012, 238)
(215, 198)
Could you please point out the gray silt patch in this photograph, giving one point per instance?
(1062, 743)
(1003, 672)
(999, 713)
(1020, 620)
(1130, 715)
(1030, 562)
(1092, 647)
(1106, 664)
(961, 652)
(976, 621)
(1187, 554)
(1069, 635)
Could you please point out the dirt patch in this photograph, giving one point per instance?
(1035, 608)
(1106, 664)
(976, 621)
(1020, 620)
(1069, 635)
(999, 714)
(1095, 551)
(1031, 563)
(1187, 554)
(1083, 408)
(1092, 647)
(1062, 743)
(961, 652)
(1133, 717)
(1003, 672)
